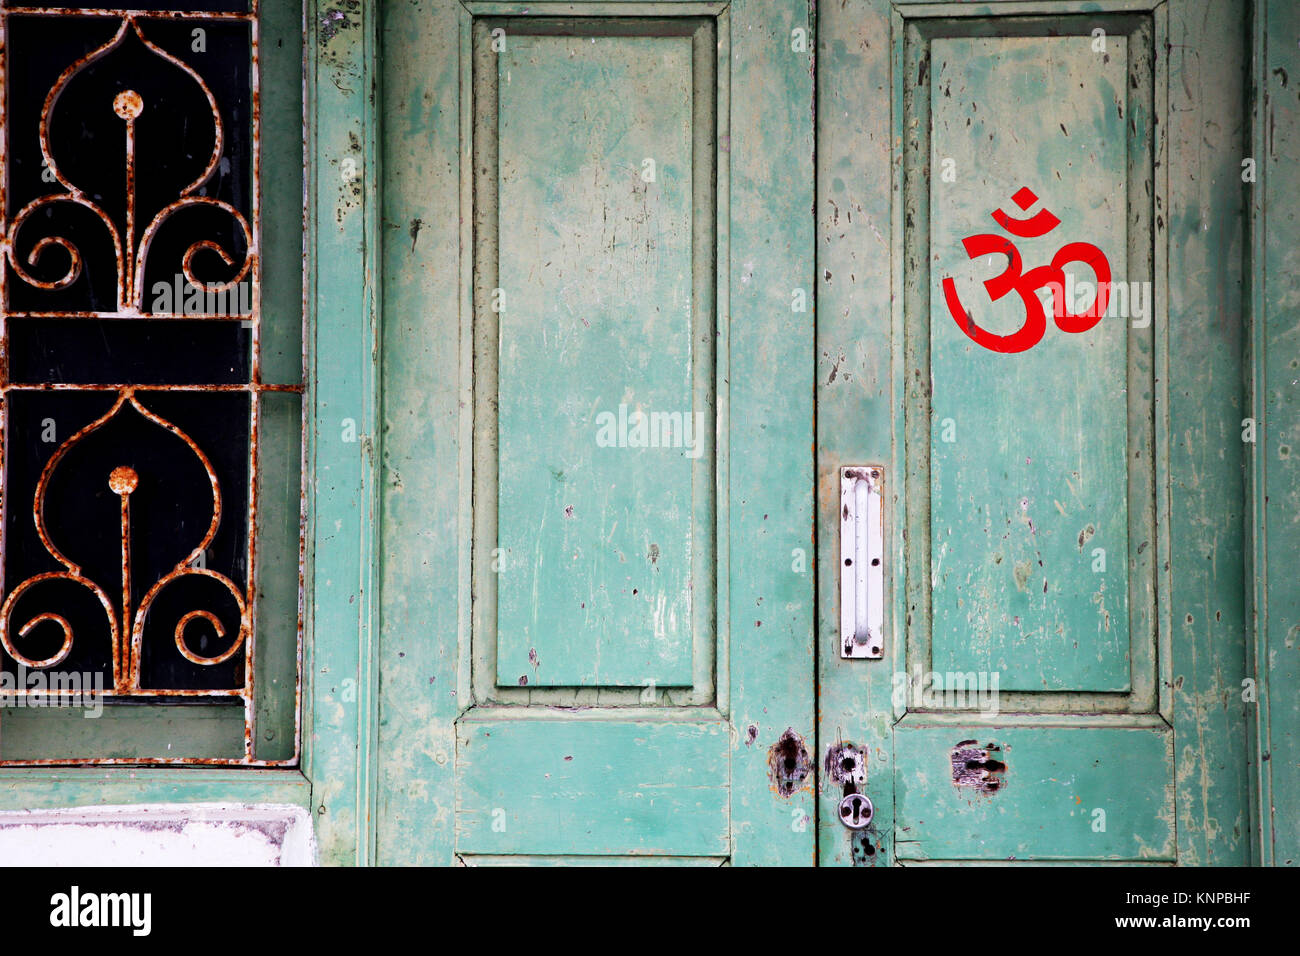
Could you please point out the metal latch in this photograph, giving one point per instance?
(862, 562)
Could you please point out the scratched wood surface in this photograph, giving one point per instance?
(1145, 397)
(1206, 620)
(1276, 483)
(659, 293)
(1027, 449)
(594, 511)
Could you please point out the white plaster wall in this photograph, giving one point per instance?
(203, 834)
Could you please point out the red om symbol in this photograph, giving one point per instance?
(1029, 283)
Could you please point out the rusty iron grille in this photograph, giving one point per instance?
(130, 372)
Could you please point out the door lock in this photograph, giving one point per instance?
(856, 811)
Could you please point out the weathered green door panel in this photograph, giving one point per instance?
(423, 397)
(593, 292)
(600, 433)
(1062, 520)
(1276, 480)
(1028, 488)
(593, 787)
(558, 570)
(1205, 622)
(1067, 793)
(1035, 443)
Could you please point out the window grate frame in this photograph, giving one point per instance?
(126, 686)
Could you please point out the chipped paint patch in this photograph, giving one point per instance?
(1086, 535)
(846, 766)
(865, 846)
(789, 764)
(978, 767)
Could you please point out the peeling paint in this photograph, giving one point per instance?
(789, 764)
(846, 766)
(976, 767)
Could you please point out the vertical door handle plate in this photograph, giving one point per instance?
(862, 562)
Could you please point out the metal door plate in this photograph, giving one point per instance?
(862, 562)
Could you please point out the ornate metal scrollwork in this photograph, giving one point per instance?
(126, 625)
(128, 206)
(104, 69)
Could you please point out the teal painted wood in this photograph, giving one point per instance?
(1059, 799)
(279, 575)
(856, 401)
(500, 179)
(1028, 449)
(1275, 481)
(1120, 357)
(599, 440)
(343, 434)
(934, 438)
(771, 535)
(496, 492)
(855, 397)
(51, 788)
(1205, 225)
(280, 65)
(278, 655)
(425, 411)
(438, 659)
(599, 787)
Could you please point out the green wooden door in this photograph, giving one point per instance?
(603, 509)
(597, 506)
(1063, 624)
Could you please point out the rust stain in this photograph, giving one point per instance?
(978, 767)
(128, 106)
(845, 771)
(790, 766)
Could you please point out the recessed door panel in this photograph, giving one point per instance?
(600, 437)
(1029, 506)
